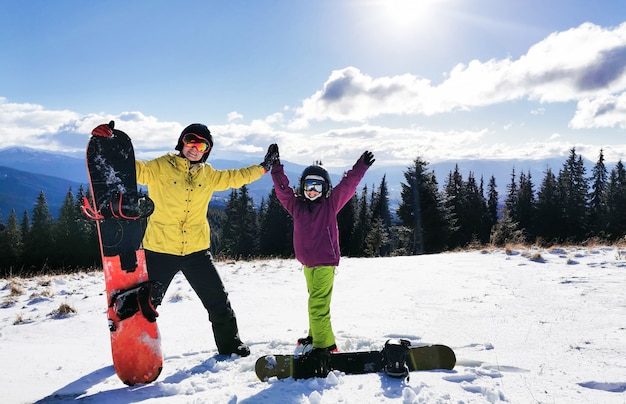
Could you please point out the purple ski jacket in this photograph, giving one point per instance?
(315, 231)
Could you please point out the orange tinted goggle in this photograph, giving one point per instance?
(193, 140)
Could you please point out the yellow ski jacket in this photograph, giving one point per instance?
(181, 193)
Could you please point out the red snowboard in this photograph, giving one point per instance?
(120, 212)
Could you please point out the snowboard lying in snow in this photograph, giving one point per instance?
(427, 357)
(119, 211)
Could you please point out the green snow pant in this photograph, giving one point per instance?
(319, 283)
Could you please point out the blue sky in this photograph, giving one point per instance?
(325, 79)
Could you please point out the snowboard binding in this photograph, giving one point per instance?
(317, 362)
(118, 205)
(395, 355)
(126, 303)
(120, 215)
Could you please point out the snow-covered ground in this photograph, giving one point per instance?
(528, 326)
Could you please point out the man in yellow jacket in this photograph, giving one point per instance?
(177, 237)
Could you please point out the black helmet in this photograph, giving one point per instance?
(319, 173)
(199, 130)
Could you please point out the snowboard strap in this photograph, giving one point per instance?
(133, 211)
(129, 301)
(395, 355)
(89, 210)
(117, 207)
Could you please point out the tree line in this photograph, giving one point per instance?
(568, 207)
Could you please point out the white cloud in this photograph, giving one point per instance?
(341, 147)
(20, 121)
(336, 147)
(234, 116)
(349, 95)
(62, 130)
(147, 132)
(602, 112)
(579, 63)
(554, 136)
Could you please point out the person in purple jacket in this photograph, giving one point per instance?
(314, 207)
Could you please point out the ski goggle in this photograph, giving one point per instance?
(193, 140)
(313, 185)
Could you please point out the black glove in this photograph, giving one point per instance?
(368, 158)
(271, 157)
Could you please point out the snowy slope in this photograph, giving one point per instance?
(528, 326)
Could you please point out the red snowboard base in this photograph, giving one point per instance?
(135, 342)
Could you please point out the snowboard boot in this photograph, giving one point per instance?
(304, 347)
(308, 340)
(332, 349)
(317, 362)
(240, 349)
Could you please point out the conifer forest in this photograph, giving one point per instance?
(568, 206)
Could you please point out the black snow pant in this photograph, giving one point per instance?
(201, 274)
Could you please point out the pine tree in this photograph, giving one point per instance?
(86, 252)
(250, 234)
(510, 203)
(66, 233)
(455, 204)
(39, 246)
(240, 235)
(11, 246)
(25, 231)
(492, 201)
(525, 206)
(261, 219)
(468, 206)
(380, 207)
(275, 229)
(549, 214)
(423, 211)
(615, 202)
(574, 191)
(216, 218)
(477, 215)
(508, 229)
(381, 211)
(363, 224)
(376, 238)
(346, 222)
(229, 241)
(598, 218)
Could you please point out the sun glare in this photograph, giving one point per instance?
(405, 13)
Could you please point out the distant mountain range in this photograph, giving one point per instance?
(19, 190)
(25, 172)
